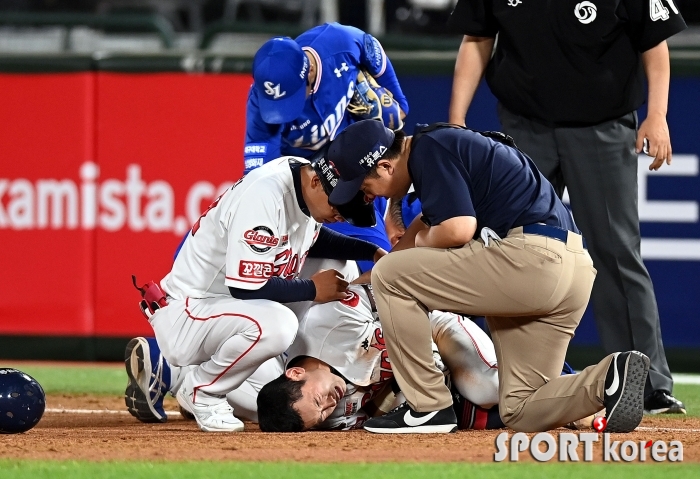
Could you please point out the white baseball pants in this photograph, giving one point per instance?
(226, 339)
(468, 353)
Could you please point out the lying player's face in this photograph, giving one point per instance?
(320, 394)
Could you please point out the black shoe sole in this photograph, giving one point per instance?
(136, 399)
(430, 429)
(627, 412)
(186, 414)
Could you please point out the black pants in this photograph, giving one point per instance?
(598, 166)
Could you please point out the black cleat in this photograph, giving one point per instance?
(662, 402)
(624, 391)
(404, 420)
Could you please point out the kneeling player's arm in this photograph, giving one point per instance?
(333, 245)
(280, 290)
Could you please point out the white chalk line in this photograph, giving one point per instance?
(681, 378)
(96, 411)
(176, 413)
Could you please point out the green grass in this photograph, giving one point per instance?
(250, 470)
(107, 380)
(690, 395)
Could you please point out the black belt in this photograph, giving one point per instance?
(549, 231)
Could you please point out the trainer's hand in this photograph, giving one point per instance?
(330, 286)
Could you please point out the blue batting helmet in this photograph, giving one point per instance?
(22, 401)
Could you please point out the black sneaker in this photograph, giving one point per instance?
(624, 391)
(662, 402)
(404, 420)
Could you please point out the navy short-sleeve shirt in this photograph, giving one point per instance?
(458, 172)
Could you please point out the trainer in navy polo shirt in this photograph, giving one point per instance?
(458, 172)
(503, 190)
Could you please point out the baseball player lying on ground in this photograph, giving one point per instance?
(338, 372)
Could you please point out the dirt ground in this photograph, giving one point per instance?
(115, 435)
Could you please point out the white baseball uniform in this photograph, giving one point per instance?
(347, 335)
(244, 398)
(252, 232)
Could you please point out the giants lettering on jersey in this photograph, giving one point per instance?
(288, 265)
(261, 239)
(255, 269)
(385, 371)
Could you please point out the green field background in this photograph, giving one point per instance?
(286, 470)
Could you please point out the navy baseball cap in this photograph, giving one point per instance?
(353, 153)
(280, 71)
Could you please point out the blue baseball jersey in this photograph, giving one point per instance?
(339, 51)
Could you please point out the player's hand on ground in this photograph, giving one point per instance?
(330, 286)
(655, 130)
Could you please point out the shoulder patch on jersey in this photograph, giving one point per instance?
(260, 239)
(375, 55)
(255, 269)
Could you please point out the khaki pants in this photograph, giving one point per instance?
(533, 291)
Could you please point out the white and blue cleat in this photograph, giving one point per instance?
(149, 380)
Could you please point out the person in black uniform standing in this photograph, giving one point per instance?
(569, 77)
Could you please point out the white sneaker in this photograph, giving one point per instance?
(212, 413)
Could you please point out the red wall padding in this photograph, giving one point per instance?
(100, 176)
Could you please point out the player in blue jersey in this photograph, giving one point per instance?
(306, 91)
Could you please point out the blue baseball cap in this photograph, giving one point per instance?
(353, 153)
(280, 71)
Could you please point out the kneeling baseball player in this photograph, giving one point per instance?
(220, 313)
(338, 372)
